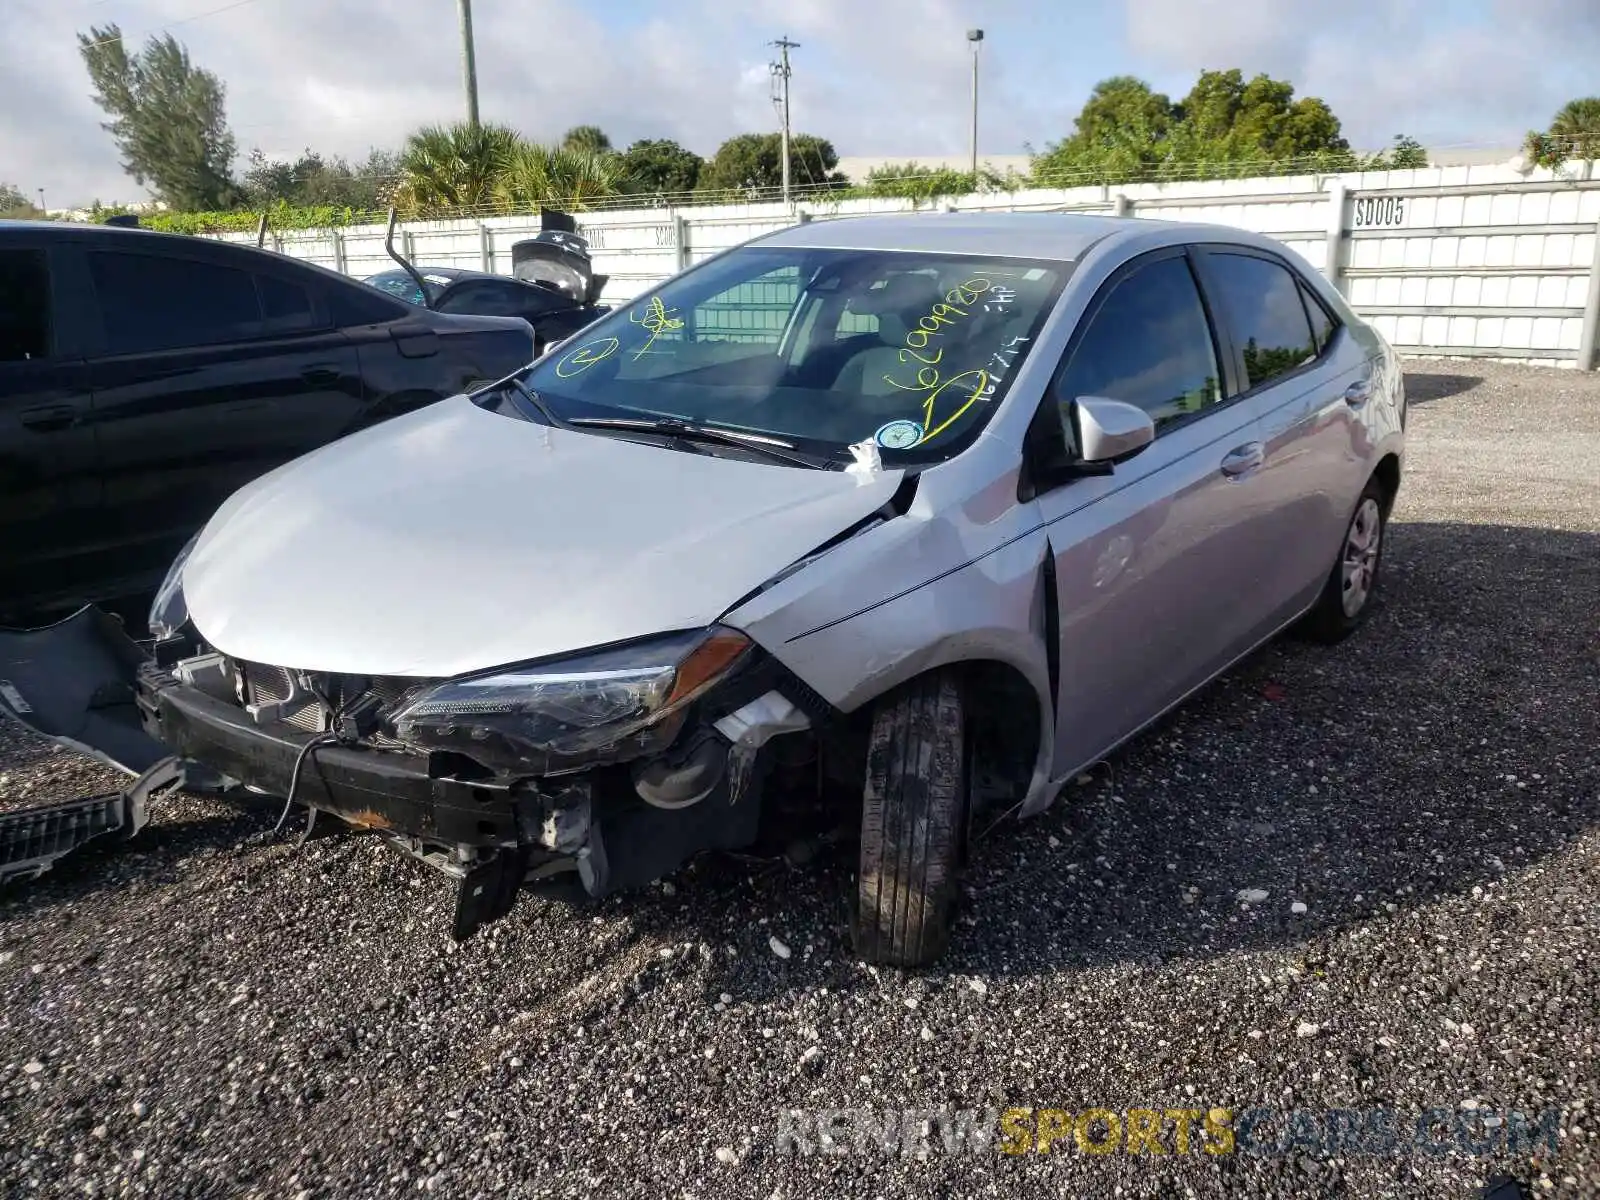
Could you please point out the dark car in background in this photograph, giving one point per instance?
(554, 313)
(552, 284)
(144, 377)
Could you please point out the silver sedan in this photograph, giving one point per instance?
(941, 508)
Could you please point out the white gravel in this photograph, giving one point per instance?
(208, 1012)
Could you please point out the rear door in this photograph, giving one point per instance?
(208, 374)
(1156, 563)
(49, 493)
(1306, 380)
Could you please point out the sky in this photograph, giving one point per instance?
(876, 77)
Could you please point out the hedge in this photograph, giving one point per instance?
(281, 218)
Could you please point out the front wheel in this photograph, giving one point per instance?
(913, 822)
(1347, 595)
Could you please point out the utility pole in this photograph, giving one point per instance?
(975, 36)
(780, 74)
(469, 63)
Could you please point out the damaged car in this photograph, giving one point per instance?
(940, 508)
(552, 285)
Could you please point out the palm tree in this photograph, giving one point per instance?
(586, 137)
(449, 168)
(1577, 128)
(559, 177)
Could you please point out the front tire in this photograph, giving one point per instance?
(913, 822)
(1347, 596)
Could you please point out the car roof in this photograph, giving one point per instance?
(1064, 237)
(83, 229)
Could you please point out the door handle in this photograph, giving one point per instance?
(320, 376)
(1242, 460)
(1358, 394)
(49, 417)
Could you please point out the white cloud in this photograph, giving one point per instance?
(1446, 72)
(877, 77)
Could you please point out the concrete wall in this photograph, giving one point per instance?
(1476, 261)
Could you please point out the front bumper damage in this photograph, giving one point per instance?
(593, 829)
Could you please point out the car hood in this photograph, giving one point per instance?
(455, 539)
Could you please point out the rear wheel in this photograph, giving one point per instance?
(1347, 596)
(913, 822)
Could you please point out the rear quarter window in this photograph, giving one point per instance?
(359, 304)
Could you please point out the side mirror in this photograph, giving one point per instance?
(1107, 431)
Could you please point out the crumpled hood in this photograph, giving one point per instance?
(454, 539)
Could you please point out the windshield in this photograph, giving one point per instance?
(826, 347)
(400, 283)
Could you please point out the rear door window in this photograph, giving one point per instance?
(1262, 304)
(152, 302)
(24, 305)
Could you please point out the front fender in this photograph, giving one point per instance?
(921, 591)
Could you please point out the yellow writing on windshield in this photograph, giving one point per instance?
(579, 359)
(656, 319)
(936, 389)
(943, 314)
(959, 398)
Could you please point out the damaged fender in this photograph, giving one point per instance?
(955, 579)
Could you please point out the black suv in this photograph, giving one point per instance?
(144, 377)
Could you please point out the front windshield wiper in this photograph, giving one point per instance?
(537, 402)
(774, 448)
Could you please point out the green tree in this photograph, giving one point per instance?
(558, 177)
(586, 138)
(1406, 154)
(1574, 133)
(311, 180)
(15, 205)
(1122, 129)
(1228, 119)
(167, 117)
(755, 161)
(661, 168)
(913, 181)
(1226, 124)
(444, 169)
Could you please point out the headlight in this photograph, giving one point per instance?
(169, 612)
(609, 705)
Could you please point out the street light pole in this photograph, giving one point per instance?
(469, 62)
(975, 36)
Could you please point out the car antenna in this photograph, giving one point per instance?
(388, 244)
(261, 232)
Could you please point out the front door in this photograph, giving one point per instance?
(49, 494)
(209, 376)
(1156, 568)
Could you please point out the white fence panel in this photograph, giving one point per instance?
(1480, 261)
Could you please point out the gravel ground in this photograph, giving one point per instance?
(212, 1013)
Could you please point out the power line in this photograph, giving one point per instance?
(200, 16)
